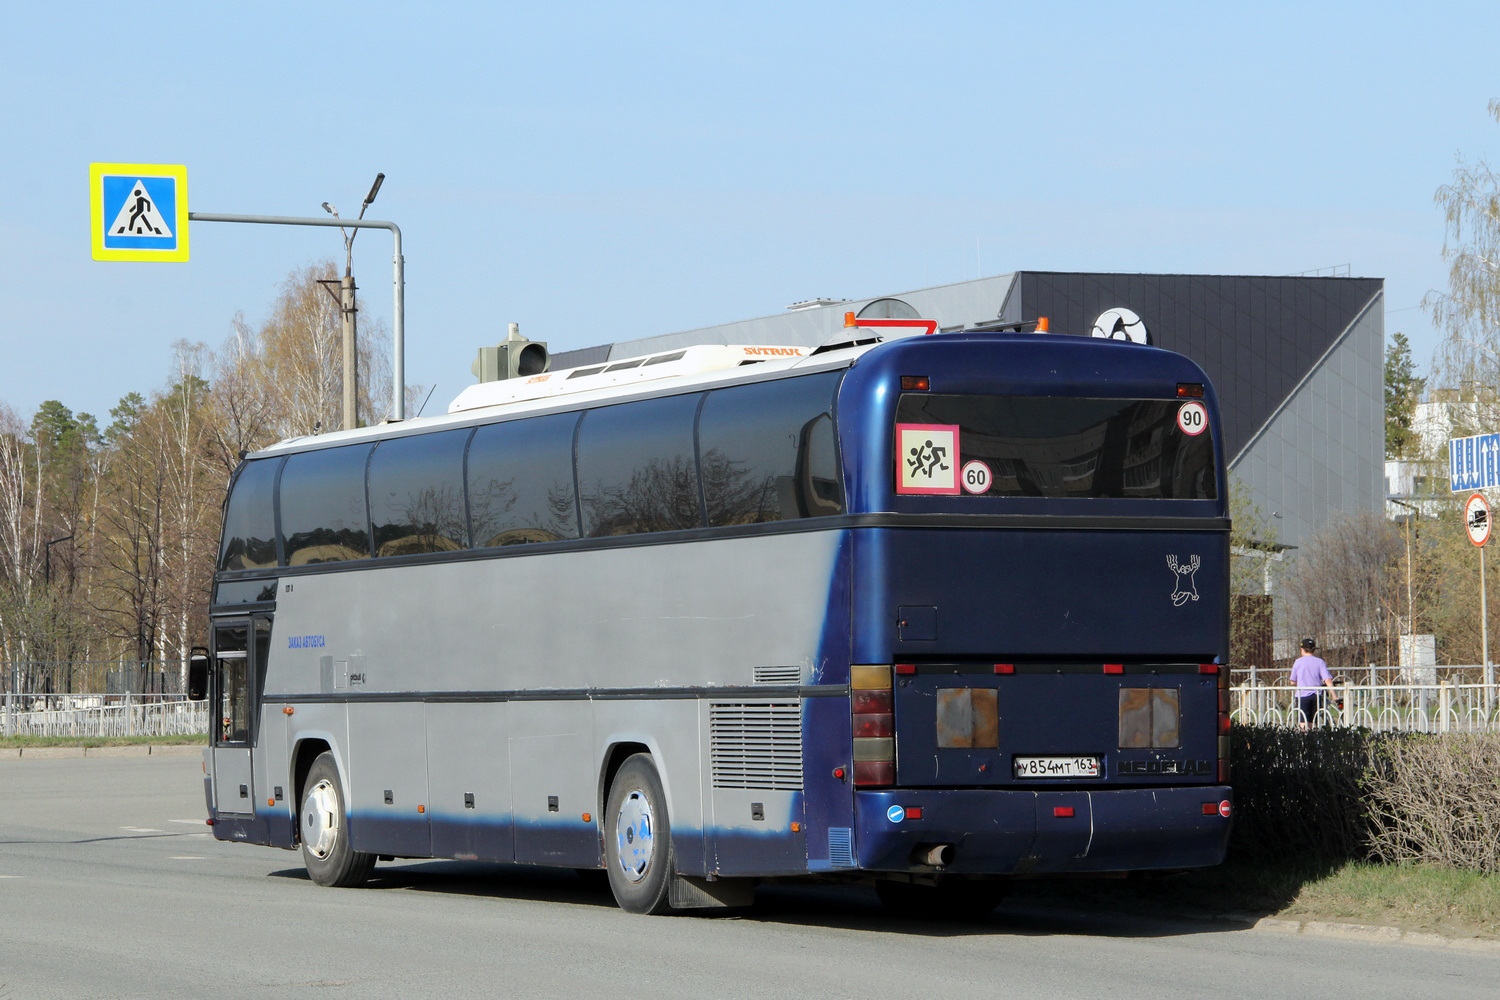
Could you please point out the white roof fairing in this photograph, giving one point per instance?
(683, 370)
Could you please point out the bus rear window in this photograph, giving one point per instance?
(1057, 446)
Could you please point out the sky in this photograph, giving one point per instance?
(598, 173)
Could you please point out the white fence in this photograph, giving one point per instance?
(1445, 707)
(103, 715)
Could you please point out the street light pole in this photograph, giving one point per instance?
(398, 318)
(349, 310)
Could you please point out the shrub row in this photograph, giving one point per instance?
(1338, 794)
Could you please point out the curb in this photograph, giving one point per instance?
(1374, 933)
(75, 753)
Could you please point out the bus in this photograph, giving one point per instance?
(932, 613)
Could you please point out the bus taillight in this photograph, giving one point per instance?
(1224, 724)
(874, 725)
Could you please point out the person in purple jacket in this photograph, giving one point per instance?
(1307, 673)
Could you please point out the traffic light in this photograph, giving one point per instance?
(513, 357)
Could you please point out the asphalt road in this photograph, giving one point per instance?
(110, 886)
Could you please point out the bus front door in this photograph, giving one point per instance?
(238, 663)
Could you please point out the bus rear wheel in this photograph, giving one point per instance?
(638, 838)
(323, 827)
(959, 899)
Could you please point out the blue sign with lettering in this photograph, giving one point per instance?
(1474, 463)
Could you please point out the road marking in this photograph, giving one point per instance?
(186, 857)
(140, 829)
(189, 822)
(12, 876)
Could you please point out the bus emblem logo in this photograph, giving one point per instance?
(1184, 573)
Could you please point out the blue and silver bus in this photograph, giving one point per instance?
(932, 613)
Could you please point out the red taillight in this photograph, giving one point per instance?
(874, 723)
(1223, 771)
(1005, 668)
(1191, 390)
(906, 669)
(1114, 668)
(1062, 812)
(1210, 809)
(915, 383)
(874, 772)
(914, 812)
(1225, 808)
(1208, 668)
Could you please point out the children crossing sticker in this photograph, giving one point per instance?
(927, 459)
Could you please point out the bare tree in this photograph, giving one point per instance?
(1469, 357)
(1344, 590)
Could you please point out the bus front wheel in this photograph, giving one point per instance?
(323, 827)
(638, 838)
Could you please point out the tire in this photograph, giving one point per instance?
(323, 828)
(638, 838)
(952, 900)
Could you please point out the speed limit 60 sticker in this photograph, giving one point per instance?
(974, 477)
(1192, 418)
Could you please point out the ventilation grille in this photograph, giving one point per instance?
(785, 676)
(841, 846)
(757, 745)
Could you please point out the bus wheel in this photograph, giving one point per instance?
(325, 830)
(638, 838)
(952, 900)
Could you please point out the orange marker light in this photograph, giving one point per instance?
(289, 710)
(1041, 324)
(421, 809)
(587, 818)
(849, 320)
(270, 802)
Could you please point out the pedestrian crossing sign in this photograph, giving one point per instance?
(139, 211)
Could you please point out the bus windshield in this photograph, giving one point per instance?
(1066, 446)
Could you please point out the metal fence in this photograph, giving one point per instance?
(126, 714)
(1445, 700)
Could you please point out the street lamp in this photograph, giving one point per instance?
(349, 309)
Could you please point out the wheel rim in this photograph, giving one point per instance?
(635, 835)
(320, 819)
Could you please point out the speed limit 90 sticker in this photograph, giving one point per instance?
(1192, 418)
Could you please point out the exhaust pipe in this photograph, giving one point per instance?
(937, 855)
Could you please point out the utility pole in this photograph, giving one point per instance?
(349, 309)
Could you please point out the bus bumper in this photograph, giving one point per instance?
(1020, 832)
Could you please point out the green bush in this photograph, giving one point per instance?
(1299, 796)
(1334, 795)
(1436, 799)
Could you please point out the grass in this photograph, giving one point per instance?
(1429, 898)
(12, 742)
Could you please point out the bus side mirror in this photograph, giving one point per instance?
(197, 685)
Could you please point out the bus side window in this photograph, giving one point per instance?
(250, 519)
(417, 494)
(521, 481)
(636, 469)
(322, 498)
(768, 452)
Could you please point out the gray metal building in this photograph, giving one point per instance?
(1297, 361)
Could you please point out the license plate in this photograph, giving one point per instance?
(1057, 767)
